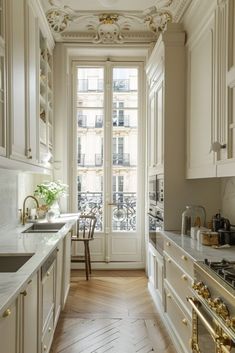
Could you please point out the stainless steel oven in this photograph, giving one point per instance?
(213, 311)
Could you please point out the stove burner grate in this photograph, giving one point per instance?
(224, 269)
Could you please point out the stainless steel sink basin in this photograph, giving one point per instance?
(13, 262)
(44, 228)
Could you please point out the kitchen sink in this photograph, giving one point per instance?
(44, 228)
(13, 262)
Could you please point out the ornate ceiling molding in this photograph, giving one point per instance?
(108, 27)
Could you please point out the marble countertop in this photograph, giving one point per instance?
(197, 251)
(41, 245)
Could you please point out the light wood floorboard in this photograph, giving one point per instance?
(112, 312)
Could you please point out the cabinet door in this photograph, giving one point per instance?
(59, 261)
(32, 81)
(16, 62)
(66, 268)
(48, 295)
(8, 330)
(200, 111)
(155, 129)
(29, 318)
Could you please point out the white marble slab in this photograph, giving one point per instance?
(197, 251)
(41, 245)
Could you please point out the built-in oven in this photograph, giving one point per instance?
(213, 320)
(152, 189)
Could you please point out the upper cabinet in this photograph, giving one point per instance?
(29, 82)
(211, 90)
(2, 81)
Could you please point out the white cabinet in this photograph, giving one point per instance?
(177, 284)
(2, 81)
(8, 329)
(29, 317)
(156, 275)
(66, 268)
(210, 93)
(59, 271)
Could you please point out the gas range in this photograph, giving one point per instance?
(224, 269)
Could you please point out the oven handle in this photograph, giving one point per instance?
(208, 326)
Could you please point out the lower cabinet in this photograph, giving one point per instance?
(170, 283)
(66, 268)
(29, 317)
(8, 329)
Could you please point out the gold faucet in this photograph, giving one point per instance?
(24, 216)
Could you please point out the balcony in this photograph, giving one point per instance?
(99, 121)
(82, 121)
(121, 121)
(123, 209)
(98, 159)
(121, 159)
(90, 85)
(123, 85)
(81, 159)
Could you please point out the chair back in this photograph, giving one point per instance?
(86, 226)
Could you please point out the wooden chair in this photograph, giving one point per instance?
(85, 233)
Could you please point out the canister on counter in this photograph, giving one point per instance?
(210, 238)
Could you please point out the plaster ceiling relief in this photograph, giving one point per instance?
(110, 21)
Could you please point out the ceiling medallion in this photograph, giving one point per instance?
(109, 27)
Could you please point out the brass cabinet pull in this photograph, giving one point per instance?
(184, 276)
(6, 313)
(169, 295)
(184, 321)
(45, 348)
(49, 329)
(30, 281)
(169, 261)
(24, 293)
(183, 257)
(48, 273)
(168, 243)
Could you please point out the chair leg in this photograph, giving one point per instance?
(89, 257)
(86, 260)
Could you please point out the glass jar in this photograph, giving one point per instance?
(193, 216)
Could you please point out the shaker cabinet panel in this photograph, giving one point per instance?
(17, 82)
(200, 124)
(8, 330)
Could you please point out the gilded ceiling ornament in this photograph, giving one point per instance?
(109, 27)
(58, 20)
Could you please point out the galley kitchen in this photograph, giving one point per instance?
(117, 176)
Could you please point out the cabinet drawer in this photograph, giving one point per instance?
(48, 335)
(180, 323)
(179, 280)
(180, 257)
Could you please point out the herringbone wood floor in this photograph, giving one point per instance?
(112, 312)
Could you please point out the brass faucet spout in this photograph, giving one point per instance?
(24, 214)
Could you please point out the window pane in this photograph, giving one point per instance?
(124, 171)
(90, 97)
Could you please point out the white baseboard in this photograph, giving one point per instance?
(111, 266)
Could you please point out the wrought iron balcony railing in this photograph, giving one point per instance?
(123, 85)
(90, 85)
(98, 159)
(121, 159)
(99, 121)
(120, 121)
(123, 209)
(82, 121)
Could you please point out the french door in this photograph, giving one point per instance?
(108, 159)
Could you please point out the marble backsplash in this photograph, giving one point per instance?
(8, 197)
(228, 198)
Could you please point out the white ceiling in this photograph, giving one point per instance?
(111, 21)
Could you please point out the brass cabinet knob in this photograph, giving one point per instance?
(6, 313)
(184, 277)
(48, 273)
(169, 260)
(169, 295)
(44, 348)
(183, 257)
(185, 321)
(168, 243)
(49, 329)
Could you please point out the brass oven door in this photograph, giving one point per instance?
(207, 335)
